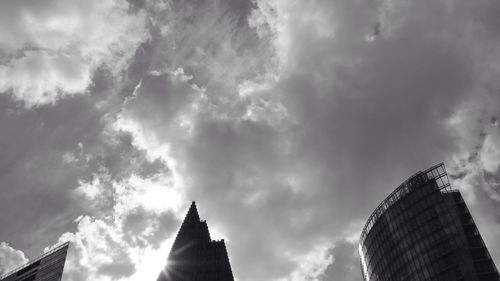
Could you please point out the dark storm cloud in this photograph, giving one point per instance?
(359, 115)
(370, 105)
(345, 260)
(287, 122)
(33, 171)
(137, 4)
(136, 223)
(163, 93)
(212, 41)
(240, 166)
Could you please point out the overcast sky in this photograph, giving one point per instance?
(287, 121)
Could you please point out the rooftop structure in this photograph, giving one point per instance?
(47, 267)
(424, 231)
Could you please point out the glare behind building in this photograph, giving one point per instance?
(47, 267)
(194, 255)
(424, 231)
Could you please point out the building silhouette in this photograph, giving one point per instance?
(194, 256)
(424, 231)
(47, 267)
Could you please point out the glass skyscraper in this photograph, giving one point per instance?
(47, 267)
(424, 231)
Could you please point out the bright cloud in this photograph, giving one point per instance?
(10, 258)
(287, 121)
(52, 48)
(490, 153)
(123, 246)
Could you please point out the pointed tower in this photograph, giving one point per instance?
(194, 256)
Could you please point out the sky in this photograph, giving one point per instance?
(286, 121)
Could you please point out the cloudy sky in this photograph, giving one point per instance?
(287, 121)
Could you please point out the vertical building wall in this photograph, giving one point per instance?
(423, 231)
(473, 246)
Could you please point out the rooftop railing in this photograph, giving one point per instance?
(53, 250)
(436, 172)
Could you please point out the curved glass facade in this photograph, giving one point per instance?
(424, 231)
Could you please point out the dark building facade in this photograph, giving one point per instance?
(194, 255)
(48, 267)
(424, 231)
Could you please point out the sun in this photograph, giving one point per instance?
(152, 261)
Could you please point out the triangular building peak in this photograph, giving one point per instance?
(194, 255)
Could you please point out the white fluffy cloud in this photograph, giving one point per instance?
(50, 49)
(133, 241)
(10, 258)
(38, 77)
(490, 153)
(361, 97)
(287, 122)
